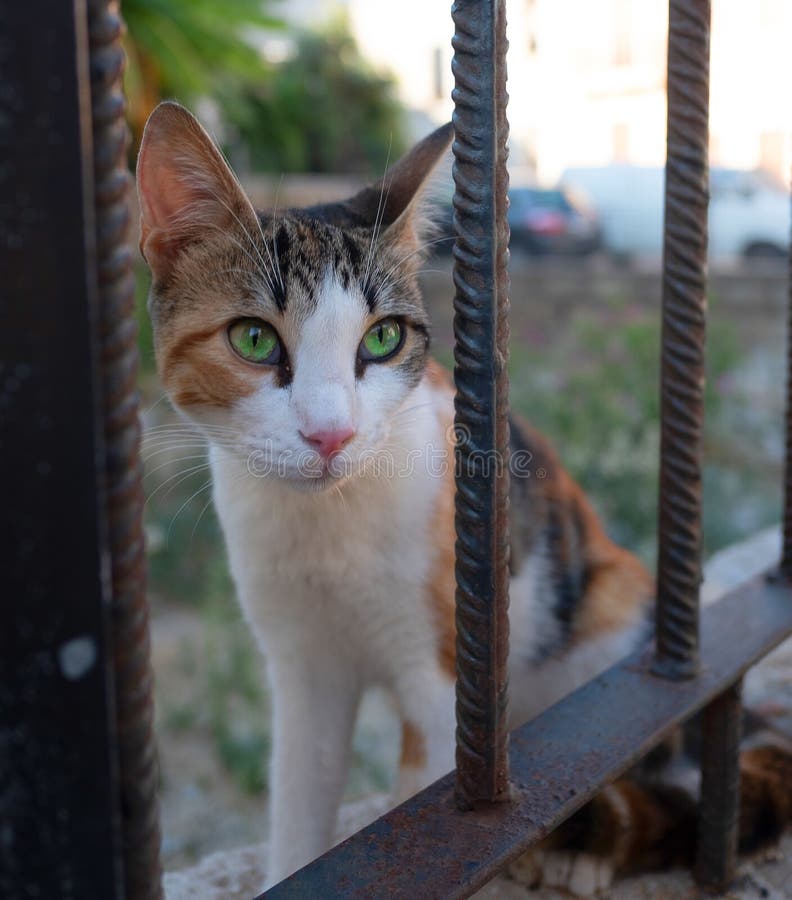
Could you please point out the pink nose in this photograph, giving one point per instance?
(328, 443)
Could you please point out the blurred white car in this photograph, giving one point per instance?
(749, 213)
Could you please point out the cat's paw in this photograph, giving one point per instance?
(580, 874)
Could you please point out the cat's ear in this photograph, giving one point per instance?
(400, 197)
(185, 188)
(395, 204)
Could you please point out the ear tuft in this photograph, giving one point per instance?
(404, 181)
(394, 203)
(185, 187)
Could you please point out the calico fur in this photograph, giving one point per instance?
(344, 566)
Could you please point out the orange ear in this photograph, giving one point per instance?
(186, 188)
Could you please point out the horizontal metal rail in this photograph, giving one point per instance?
(428, 848)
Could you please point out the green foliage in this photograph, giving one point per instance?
(326, 111)
(222, 700)
(187, 49)
(235, 699)
(595, 393)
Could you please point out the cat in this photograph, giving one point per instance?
(298, 344)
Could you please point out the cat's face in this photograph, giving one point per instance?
(292, 340)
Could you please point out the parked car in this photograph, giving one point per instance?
(552, 221)
(541, 221)
(749, 213)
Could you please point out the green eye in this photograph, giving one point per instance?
(381, 340)
(255, 341)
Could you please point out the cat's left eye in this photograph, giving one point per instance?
(381, 341)
(255, 340)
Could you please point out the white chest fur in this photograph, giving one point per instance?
(334, 585)
(346, 567)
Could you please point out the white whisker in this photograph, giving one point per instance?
(186, 502)
(274, 245)
(250, 237)
(378, 217)
(155, 404)
(259, 265)
(198, 520)
(184, 476)
(410, 409)
(419, 249)
(182, 427)
(172, 462)
(337, 490)
(180, 445)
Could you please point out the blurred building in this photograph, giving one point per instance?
(587, 80)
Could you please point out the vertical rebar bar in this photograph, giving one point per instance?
(482, 332)
(682, 373)
(123, 486)
(720, 790)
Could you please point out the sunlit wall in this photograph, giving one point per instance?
(587, 79)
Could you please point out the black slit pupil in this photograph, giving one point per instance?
(380, 334)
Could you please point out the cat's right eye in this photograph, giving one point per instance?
(255, 341)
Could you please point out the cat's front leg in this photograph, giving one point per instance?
(427, 702)
(315, 700)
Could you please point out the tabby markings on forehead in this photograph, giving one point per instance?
(302, 251)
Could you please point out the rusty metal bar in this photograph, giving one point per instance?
(720, 790)
(59, 806)
(427, 847)
(123, 474)
(682, 373)
(481, 353)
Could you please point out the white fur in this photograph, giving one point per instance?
(333, 587)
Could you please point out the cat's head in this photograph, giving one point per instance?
(288, 337)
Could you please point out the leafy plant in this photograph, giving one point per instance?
(187, 49)
(327, 110)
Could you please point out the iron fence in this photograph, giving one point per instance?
(77, 774)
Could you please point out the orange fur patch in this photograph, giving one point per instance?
(619, 585)
(199, 369)
(442, 578)
(438, 377)
(413, 747)
(441, 586)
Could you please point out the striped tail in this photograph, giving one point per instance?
(642, 823)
